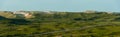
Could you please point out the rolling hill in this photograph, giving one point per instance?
(61, 24)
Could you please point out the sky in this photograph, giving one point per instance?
(60, 5)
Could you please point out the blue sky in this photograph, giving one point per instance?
(60, 5)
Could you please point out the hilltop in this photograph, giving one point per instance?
(30, 14)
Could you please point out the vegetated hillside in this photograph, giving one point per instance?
(62, 24)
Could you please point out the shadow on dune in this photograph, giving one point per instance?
(4, 20)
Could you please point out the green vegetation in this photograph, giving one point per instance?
(61, 24)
